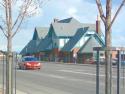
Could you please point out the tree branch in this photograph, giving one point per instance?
(18, 17)
(3, 31)
(6, 11)
(23, 14)
(101, 11)
(2, 4)
(117, 12)
(16, 21)
(18, 27)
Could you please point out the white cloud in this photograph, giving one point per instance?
(72, 12)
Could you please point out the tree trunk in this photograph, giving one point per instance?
(108, 66)
(9, 77)
(108, 24)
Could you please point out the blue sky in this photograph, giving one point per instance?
(84, 11)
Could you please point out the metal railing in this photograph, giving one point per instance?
(3, 59)
(120, 67)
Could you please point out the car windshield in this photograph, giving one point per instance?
(30, 59)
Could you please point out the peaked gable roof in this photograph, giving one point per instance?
(64, 29)
(92, 27)
(69, 27)
(30, 48)
(40, 33)
(68, 20)
(73, 41)
(45, 44)
(89, 44)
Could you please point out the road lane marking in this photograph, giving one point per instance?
(66, 78)
(70, 71)
(85, 73)
(52, 76)
(56, 76)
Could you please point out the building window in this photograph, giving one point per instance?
(91, 32)
(61, 42)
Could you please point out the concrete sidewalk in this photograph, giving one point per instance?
(17, 91)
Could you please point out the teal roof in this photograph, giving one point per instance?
(93, 41)
(100, 40)
(45, 44)
(40, 33)
(30, 48)
(73, 21)
(73, 41)
(68, 20)
(65, 29)
(69, 27)
(43, 36)
(92, 27)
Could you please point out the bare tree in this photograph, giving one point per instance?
(106, 18)
(13, 14)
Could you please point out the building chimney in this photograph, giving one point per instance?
(98, 25)
(55, 20)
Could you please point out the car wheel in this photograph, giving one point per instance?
(38, 68)
(24, 67)
(19, 67)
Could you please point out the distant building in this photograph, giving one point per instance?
(2, 56)
(63, 41)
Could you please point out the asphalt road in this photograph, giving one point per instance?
(63, 79)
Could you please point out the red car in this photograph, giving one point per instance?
(29, 62)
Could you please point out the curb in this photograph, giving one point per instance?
(75, 64)
(17, 91)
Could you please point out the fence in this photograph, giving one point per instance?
(118, 82)
(3, 59)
